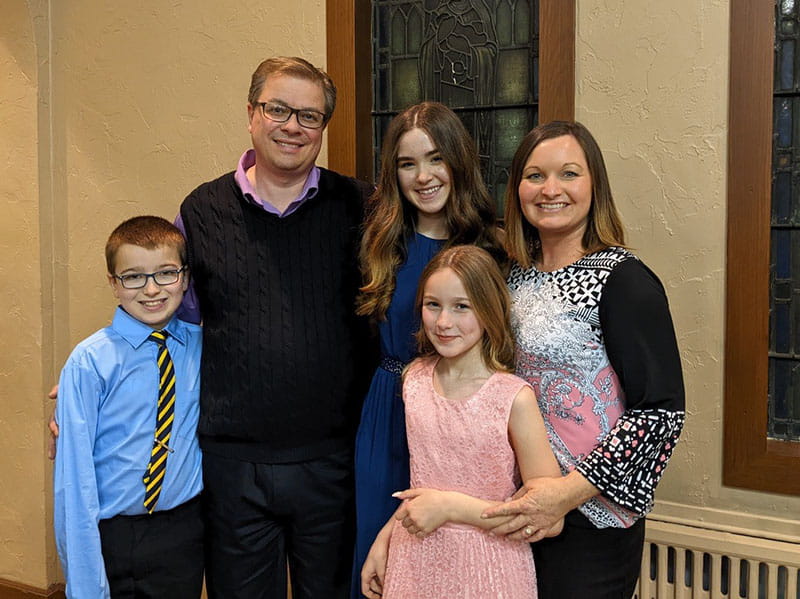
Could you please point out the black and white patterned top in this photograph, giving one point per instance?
(595, 340)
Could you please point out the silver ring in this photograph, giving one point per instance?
(528, 531)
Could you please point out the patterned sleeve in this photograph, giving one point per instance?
(641, 346)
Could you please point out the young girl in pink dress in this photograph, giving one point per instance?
(474, 432)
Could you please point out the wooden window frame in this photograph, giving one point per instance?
(349, 50)
(751, 460)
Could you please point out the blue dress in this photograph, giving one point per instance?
(381, 455)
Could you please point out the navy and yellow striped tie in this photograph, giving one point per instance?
(154, 475)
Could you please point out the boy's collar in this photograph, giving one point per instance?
(136, 332)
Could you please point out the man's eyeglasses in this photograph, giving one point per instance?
(280, 113)
(139, 279)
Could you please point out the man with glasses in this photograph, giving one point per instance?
(273, 254)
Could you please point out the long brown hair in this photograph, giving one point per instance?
(469, 211)
(488, 293)
(604, 226)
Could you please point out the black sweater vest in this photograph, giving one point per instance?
(282, 369)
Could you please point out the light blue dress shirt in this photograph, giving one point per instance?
(106, 412)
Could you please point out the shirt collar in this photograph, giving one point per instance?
(247, 160)
(136, 332)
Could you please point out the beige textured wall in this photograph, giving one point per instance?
(137, 104)
(153, 102)
(24, 470)
(652, 85)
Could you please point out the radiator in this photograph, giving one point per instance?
(692, 562)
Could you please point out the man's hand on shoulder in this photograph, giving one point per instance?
(53, 426)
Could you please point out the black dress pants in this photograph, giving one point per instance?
(585, 562)
(155, 556)
(259, 516)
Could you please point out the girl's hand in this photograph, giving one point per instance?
(423, 510)
(374, 568)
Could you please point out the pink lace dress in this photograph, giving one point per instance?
(459, 445)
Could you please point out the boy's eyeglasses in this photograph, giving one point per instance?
(280, 113)
(139, 279)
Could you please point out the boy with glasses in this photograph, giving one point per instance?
(128, 475)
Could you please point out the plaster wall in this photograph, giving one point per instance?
(24, 468)
(153, 102)
(652, 85)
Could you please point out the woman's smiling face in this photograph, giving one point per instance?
(555, 192)
(422, 175)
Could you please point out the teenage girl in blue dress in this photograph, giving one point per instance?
(430, 195)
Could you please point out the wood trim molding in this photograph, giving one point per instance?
(750, 460)
(348, 45)
(15, 590)
(349, 50)
(556, 60)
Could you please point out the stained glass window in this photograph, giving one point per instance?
(479, 57)
(784, 318)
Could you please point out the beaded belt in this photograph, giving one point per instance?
(392, 365)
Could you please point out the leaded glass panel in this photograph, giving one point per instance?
(784, 319)
(480, 57)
